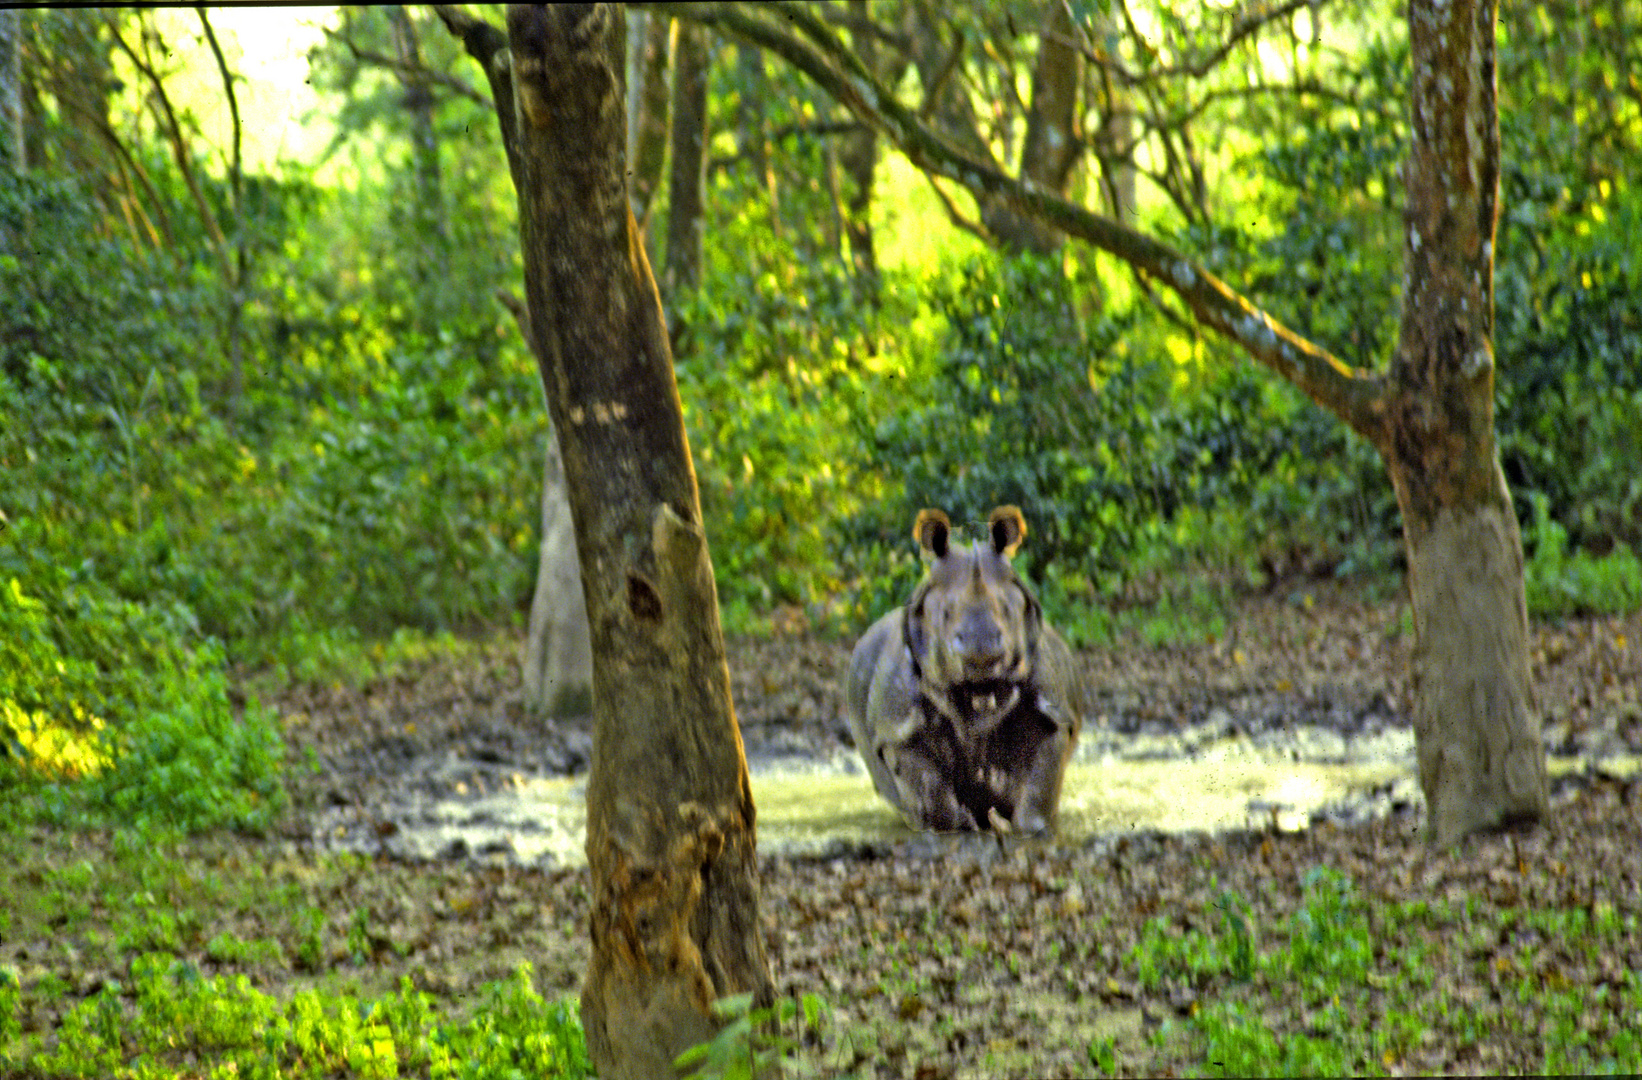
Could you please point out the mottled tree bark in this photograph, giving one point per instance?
(686, 184)
(670, 840)
(1476, 724)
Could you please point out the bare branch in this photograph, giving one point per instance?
(235, 172)
(419, 71)
(1247, 22)
(956, 216)
(1353, 395)
(174, 136)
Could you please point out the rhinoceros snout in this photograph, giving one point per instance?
(980, 653)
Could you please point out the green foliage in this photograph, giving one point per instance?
(1562, 583)
(169, 1014)
(774, 359)
(1568, 284)
(404, 473)
(1127, 460)
(170, 753)
(1165, 952)
(1018, 405)
(751, 1041)
(1348, 1002)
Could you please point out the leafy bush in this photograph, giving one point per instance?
(1562, 583)
(1567, 280)
(404, 469)
(1113, 446)
(775, 357)
(169, 1015)
(155, 737)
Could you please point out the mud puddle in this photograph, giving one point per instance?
(1201, 778)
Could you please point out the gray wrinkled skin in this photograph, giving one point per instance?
(963, 703)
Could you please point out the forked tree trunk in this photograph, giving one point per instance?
(670, 840)
(1476, 724)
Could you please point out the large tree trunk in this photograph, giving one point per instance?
(1476, 724)
(687, 181)
(670, 839)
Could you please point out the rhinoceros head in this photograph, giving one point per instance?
(972, 626)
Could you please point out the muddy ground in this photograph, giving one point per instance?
(942, 960)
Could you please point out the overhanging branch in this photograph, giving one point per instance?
(794, 33)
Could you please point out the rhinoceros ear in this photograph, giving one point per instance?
(1008, 529)
(933, 530)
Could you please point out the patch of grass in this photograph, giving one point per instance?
(200, 957)
(167, 1016)
(1352, 987)
(113, 712)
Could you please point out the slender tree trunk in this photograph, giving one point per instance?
(239, 259)
(12, 151)
(859, 157)
(1053, 142)
(752, 136)
(687, 182)
(86, 85)
(1114, 136)
(670, 839)
(1477, 727)
(432, 252)
(650, 139)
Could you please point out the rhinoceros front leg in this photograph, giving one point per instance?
(1039, 791)
(923, 776)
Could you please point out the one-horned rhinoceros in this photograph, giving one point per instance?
(964, 703)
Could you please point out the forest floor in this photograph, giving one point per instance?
(1334, 949)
